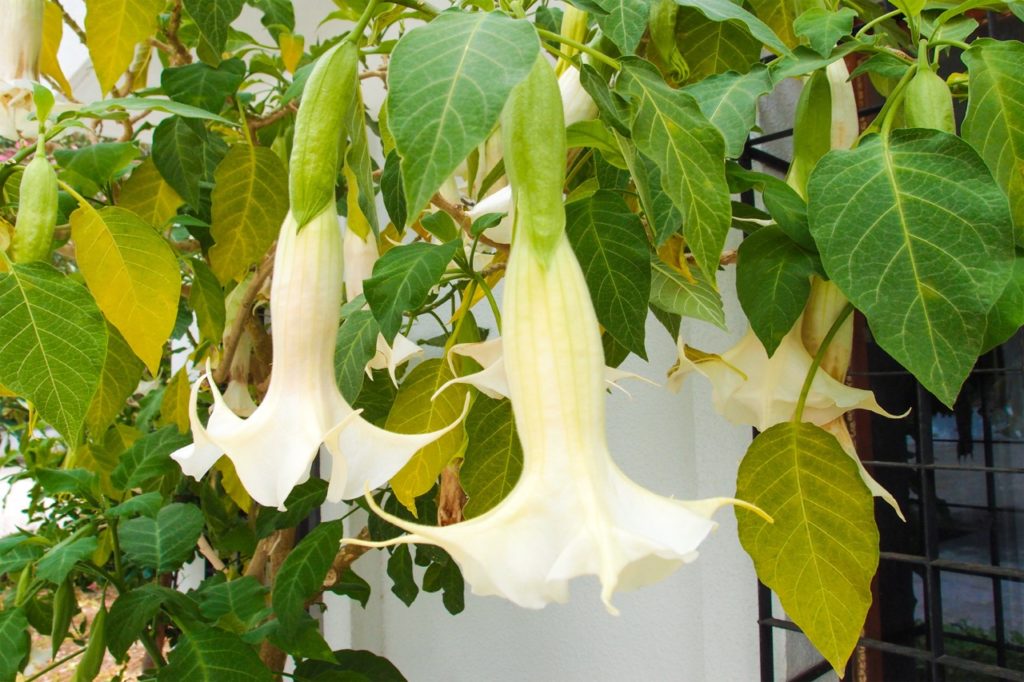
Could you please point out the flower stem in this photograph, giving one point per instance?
(816, 362)
(596, 54)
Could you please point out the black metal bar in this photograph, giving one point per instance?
(769, 160)
(993, 530)
(932, 575)
(815, 672)
(968, 568)
(943, 467)
(766, 635)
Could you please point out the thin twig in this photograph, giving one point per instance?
(220, 375)
(71, 23)
(345, 557)
(727, 257)
(378, 73)
(463, 220)
(274, 116)
(210, 554)
(181, 54)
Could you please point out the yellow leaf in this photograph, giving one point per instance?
(174, 406)
(53, 31)
(148, 195)
(113, 29)
(120, 377)
(357, 221)
(415, 412)
(292, 46)
(250, 199)
(132, 273)
(232, 484)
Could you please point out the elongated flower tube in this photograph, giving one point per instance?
(21, 39)
(573, 512)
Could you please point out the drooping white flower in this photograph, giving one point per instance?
(576, 101)
(21, 40)
(272, 450)
(845, 117)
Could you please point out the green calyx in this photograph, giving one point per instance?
(320, 131)
(37, 213)
(533, 126)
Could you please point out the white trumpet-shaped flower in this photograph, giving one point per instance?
(577, 103)
(21, 39)
(573, 512)
(272, 450)
(748, 387)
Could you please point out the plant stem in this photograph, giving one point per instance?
(816, 362)
(419, 6)
(364, 19)
(877, 20)
(890, 106)
(596, 54)
(55, 664)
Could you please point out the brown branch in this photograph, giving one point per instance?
(71, 23)
(379, 73)
(162, 46)
(451, 497)
(345, 557)
(262, 122)
(264, 271)
(210, 554)
(271, 656)
(463, 220)
(181, 55)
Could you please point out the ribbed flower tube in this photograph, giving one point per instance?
(573, 512)
(21, 39)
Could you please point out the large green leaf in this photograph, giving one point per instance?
(211, 655)
(186, 155)
(494, 456)
(773, 282)
(780, 15)
(611, 246)
(350, 666)
(201, 85)
(132, 272)
(116, 106)
(62, 557)
(995, 115)
(113, 28)
(918, 236)
(250, 199)
(624, 22)
(131, 613)
(724, 10)
(148, 458)
(710, 46)
(207, 299)
(303, 499)
(235, 605)
(661, 213)
(52, 342)
(213, 19)
(824, 28)
(14, 641)
(92, 168)
(674, 293)
(669, 128)
(303, 571)
(402, 279)
(729, 100)
(355, 346)
(147, 195)
(448, 82)
(1007, 315)
(166, 542)
(415, 412)
(821, 552)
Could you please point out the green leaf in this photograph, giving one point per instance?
(400, 572)
(780, 15)
(300, 502)
(235, 605)
(1007, 315)
(303, 571)
(211, 655)
(301, 639)
(921, 215)
(823, 28)
(76, 481)
(661, 213)
(993, 121)
(415, 412)
(113, 28)
(669, 129)
(214, 19)
(132, 272)
(147, 195)
(448, 83)
(130, 614)
(821, 552)
(611, 246)
(723, 10)
(58, 561)
(391, 190)
(773, 283)
(624, 22)
(186, 154)
(673, 293)
(729, 101)
(789, 210)
(116, 106)
(14, 642)
(203, 86)
(355, 347)
(350, 585)
(711, 46)
(250, 200)
(494, 456)
(146, 504)
(94, 167)
(53, 342)
(402, 279)
(613, 109)
(148, 458)
(19, 557)
(207, 299)
(166, 542)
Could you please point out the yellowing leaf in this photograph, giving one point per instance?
(148, 195)
(292, 46)
(232, 484)
(120, 377)
(53, 31)
(113, 29)
(250, 199)
(415, 412)
(357, 221)
(174, 406)
(133, 275)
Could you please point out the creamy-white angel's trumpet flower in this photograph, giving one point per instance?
(573, 512)
(236, 395)
(21, 40)
(577, 102)
(845, 117)
(272, 450)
